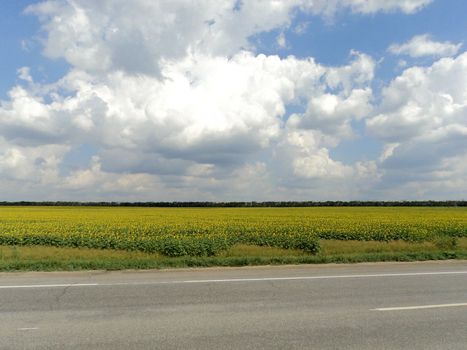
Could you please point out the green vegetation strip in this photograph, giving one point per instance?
(39, 258)
(120, 238)
(201, 232)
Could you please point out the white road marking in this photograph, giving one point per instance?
(230, 280)
(50, 285)
(436, 306)
(28, 328)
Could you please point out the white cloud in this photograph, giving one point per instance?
(346, 97)
(179, 105)
(204, 119)
(310, 160)
(372, 6)
(423, 99)
(38, 164)
(301, 28)
(281, 41)
(423, 45)
(423, 120)
(305, 169)
(332, 114)
(329, 7)
(135, 36)
(190, 114)
(24, 74)
(358, 73)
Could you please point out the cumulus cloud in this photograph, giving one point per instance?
(203, 105)
(372, 6)
(37, 164)
(346, 97)
(423, 120)
(178, 105)
(329, 7)
(423, 99)
(423, 45)
(332, 114)
(304, 167)
(310, 159)
(191, 115)
(138, 36)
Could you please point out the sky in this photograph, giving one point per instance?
(228, 100)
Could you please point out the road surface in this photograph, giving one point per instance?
(364, 306)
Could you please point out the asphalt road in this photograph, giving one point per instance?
(365, 306)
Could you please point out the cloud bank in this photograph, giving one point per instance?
(172, 101)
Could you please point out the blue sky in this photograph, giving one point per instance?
(329, 41)
(345, 126)
(20, 47)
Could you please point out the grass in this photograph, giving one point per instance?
(333, 247)
(41, 258)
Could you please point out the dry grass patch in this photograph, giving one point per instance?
(332, 247)
(65, 254)
(243, 250)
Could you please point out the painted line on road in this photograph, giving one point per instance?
(51, 285)
(419, 307)
(28, 329)
(231, 280)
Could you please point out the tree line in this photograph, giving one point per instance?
(273, 204)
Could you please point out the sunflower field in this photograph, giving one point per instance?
(208, 231)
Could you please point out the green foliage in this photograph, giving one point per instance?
(446, 242)
(100, 263)
(179, 232)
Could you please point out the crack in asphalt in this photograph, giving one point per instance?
(90, 277)
(58, 298)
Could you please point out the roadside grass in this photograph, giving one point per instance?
(42, 258)
(243, 250)
(335, 247)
